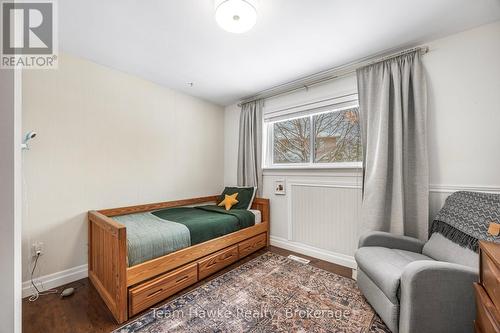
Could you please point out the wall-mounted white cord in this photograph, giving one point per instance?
(36, 292)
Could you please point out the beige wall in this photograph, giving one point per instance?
(108, 139)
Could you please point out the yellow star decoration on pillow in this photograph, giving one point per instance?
(229, 201)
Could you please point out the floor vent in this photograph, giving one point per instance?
(299, 259)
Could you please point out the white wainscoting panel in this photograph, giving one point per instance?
(436, 202)
(325, 216)
(439, 193)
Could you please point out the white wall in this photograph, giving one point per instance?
(108, 139)
(464, 114)
(231, 134)
(10, 219)
(464, 110)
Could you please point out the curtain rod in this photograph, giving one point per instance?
(327, 75)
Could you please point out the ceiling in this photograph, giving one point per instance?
(173, 42)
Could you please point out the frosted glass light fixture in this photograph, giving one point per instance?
(236, 16)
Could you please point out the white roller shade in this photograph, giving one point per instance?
(336, 94)
(330, 104)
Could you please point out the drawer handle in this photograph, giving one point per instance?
(184, 278)
(155, 293)
(253, 245)
(225, 257)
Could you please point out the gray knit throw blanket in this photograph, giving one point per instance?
(466, 216)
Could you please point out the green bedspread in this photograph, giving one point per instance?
(150, 237)
(155, 234)
(208, 222)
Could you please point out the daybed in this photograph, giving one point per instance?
(131, 285)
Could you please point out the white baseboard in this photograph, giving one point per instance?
(333, 257)
(57, 279)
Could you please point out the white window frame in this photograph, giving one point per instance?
(268, 141)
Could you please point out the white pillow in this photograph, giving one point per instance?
(441, 248)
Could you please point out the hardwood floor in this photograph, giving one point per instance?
(86, 312)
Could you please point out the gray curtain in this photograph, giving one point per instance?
(393, 114)
(250, 145)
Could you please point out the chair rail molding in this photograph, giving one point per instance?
(442, 188)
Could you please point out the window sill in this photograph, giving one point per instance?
(336, 166)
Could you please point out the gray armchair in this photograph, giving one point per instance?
(417, 286)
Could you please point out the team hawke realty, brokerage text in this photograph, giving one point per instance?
(247, 314)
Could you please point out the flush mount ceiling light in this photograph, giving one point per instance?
(236, 16)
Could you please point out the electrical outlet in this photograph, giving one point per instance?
(38, 248)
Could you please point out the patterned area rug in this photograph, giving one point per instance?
(268, 294)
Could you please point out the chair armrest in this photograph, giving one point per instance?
(437, 296)
(385, 239)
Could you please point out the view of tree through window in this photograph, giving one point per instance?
(292, 140)
(336, 138)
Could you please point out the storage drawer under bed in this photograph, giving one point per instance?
(151, 292)
(148, 293)
(217, 261)
(251, 245)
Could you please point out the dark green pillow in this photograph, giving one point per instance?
(245, 196)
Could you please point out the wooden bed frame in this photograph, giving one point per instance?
(130, 290)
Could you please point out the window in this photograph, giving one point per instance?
(337, 137)
(292, 139)
(320, 139)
